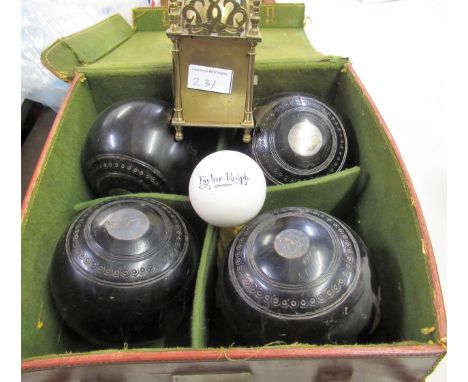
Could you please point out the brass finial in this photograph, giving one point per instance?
(254, 17)
(174, 11)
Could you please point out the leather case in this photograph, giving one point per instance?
(112, 61)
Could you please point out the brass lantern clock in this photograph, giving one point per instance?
(213, 53)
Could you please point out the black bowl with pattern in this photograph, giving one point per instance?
(298, 275)
(131, 148)
(297, 137)
(124, 271)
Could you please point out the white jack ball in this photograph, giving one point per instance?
(227, 188)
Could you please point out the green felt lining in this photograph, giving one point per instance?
(96, 41)
(282, 15)
(110, 86)
(386, 218)
(370, 194)
(150, 19)
(332, 193)
(205, 281)
(86, 46)
(60, 181)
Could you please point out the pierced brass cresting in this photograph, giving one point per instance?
(208, 16)
(219, 34)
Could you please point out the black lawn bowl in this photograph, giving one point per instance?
(131, 148)
(124, 272)
(298, 275)
(298, 137)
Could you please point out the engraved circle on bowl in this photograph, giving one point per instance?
(317, 119)
(260, 273)
(127, 224)
(305, 138)
(291, 243)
